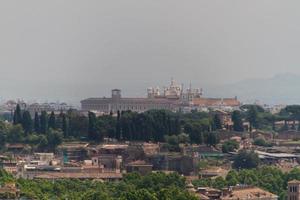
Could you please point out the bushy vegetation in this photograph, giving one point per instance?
(269, 178)
(261, 142)
(230, 146)
(155, 186)
(45, 131)
(246, 160)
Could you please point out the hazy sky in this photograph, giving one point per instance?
(69, 49)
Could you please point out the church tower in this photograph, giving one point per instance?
(294, 190)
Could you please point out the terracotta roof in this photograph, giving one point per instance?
(248, 193)
(294, 182)
(138, 163)
(60, 175)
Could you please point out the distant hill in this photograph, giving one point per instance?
(280, 89)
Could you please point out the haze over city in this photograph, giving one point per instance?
(150, 100)
(68, 50)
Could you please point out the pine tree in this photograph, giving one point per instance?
(252, 116)
(27, 122)
(17, 115)
(237, 121)
(92, 133)
(118, 126)
(212, 139)
(217, 122)
(52, 122)
(37, 123)
(65, 126)
(177, 126)
(44, 122)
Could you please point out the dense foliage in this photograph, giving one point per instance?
(261, 142)
(269, 178)
(45, 131)
(230, 146)
(49, 129)
(155, 186)
(246, 160)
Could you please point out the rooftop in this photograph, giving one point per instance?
(139, 163)
(80, 175)
(294, 182)
(248, 192)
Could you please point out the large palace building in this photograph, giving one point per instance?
(172, 98)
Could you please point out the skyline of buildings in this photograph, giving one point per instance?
(172, 97)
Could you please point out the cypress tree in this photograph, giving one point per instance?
(118, 126)
(44, 122)
(37, 123)
(65, 126)
(17, 115)
(237, 121)
(52, 122)
(27, 122)
(177, 126)
(92, 134)
(252, 116)
(217, 122)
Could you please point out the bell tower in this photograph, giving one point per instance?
(294, 190)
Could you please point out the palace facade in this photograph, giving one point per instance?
(172, 98)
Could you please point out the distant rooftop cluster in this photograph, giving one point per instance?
(10, 106)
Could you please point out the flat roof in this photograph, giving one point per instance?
(276, 155)
(79, 175)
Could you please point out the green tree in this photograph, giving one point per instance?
(92, 130)
(212, 139)
(118, 126)
(230, 146)
(232, 178)
(3, 134)
(252, 117)
(65, 125)
(142, 194)
(52, 121)
(246, 160)
(261, 142)
(37, 127)
(17, 119)
(55, 138)
(195, 132)
(44, 122)
(27, 122)
(77, 124)
(217, 122)
(96, 195)
(172, 142)
(237, 121)
(15, 134)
